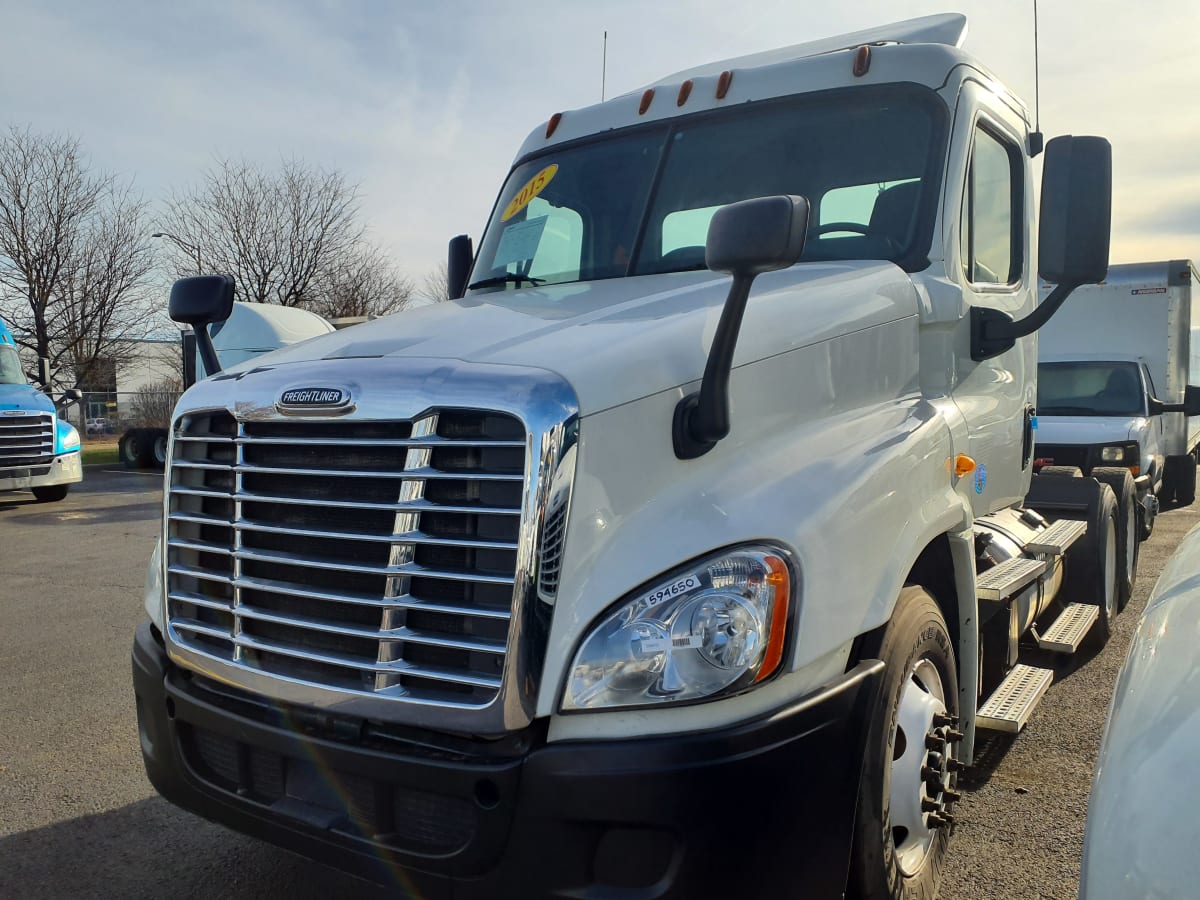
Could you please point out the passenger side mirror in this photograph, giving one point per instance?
(1076, 214)
(199, 301)
(745, 239)
(1073, 237)
(458, 266)
(1189, 407)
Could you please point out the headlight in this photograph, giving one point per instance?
(1112, 454)
(714, 628)
(1128, 454)
(68, 438)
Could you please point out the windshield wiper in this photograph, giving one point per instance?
(1068, 411)
(506, 278)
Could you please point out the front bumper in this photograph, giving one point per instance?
(762, 809)
(64, 469)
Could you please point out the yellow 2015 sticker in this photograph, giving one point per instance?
(532, 188)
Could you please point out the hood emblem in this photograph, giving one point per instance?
(14, 412)
(314, 400)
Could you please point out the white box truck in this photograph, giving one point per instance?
(1114, 365)
(683, 551)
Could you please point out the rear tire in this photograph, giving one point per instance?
(1092, 566)
(51, 493)
(1128, 525)
(896, 853)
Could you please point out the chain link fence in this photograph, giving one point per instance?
(105, 416)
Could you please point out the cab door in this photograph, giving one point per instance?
(992, 264)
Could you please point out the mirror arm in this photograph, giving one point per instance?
(702, 418)
(993, 332)
(208, 353)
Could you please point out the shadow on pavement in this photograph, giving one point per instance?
(151, 849)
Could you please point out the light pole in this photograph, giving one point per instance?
(191, 249)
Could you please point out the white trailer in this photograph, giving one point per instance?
(1114, 365)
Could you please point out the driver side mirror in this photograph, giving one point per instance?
(1189, 407)
(199, 301)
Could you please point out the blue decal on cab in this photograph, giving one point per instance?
(980, 478)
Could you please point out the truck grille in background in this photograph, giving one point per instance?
(369, 557)
(26, 440)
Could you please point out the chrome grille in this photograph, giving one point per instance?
(369, 557)
(26, 440)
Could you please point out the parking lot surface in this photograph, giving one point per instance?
(79, 819)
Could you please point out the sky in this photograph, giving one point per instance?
(424, 104)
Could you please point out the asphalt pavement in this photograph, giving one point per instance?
(79, 819)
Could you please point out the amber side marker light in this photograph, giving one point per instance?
(862, 61)
(723, 84)
(553, 123)
(685, 91)
(781, 581)
(646, 99)
(963, 465)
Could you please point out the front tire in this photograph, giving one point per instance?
(898, 846)
(50, 494)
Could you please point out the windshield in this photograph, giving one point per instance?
(639, 201)
(10, 367)
(1090, 389)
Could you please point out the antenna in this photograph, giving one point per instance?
(603, 66)
(1036, 140)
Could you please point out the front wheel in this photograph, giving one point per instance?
(51, 494)
(902, 826)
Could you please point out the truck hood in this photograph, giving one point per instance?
(1090, 429)
(22, 396)
(621, 339)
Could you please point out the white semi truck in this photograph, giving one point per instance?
(1112, 365)
(685, 550)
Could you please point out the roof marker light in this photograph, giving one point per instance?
(685, 91)
(862, 61)
(646, 98)
(723, 83)
(553, 123)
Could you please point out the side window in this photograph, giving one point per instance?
(991, 242)
(686, 228)
(1149, 382)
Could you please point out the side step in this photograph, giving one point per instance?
(1009, 577)
(1058, 537)
(1010, 707)
(1069, 629)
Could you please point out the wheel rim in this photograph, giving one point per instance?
(1110, 571)
(921, 698)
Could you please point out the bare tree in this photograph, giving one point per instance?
(287, 237)
(436, 285)
(153, 403)
(74, 255)
(362, 283)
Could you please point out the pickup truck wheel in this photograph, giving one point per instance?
(1121, 482)
(903, 821)
(1092, 564)
(50, 494)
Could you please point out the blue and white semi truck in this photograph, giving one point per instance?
(39, 451)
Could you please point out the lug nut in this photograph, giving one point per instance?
(955, 765)
(930, 806)
(935, 742)
(937, 821)
(940, 719)
(950, 796)
(954, 736)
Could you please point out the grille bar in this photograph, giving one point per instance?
(422, 474)
(430, 442)
(410, 506)
(26, 440)
(402, 667)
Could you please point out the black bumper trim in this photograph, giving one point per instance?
(762, 808)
